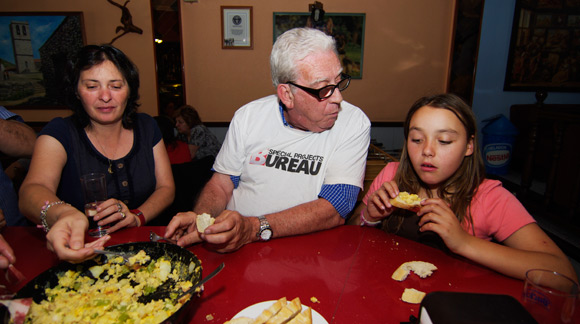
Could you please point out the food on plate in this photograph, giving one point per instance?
(204, 221)
(110, 292)
(412, 296)
(421, 268)
(289, 311)
(406, 200)
(303, 318)
(280, 312)
(271, 311)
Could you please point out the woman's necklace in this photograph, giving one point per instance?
(110, 169)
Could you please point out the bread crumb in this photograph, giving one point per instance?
(421, 268)
(314, 300)
(209, 317)
(412, 296)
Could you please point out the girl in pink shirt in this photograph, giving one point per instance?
(462, 211)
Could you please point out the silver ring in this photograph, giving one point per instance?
(119, 208)
(123, 215)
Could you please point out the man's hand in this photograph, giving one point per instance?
(231, 231)
(182, 228)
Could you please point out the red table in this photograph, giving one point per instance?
(348, 269)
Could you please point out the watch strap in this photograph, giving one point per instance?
(264, 225)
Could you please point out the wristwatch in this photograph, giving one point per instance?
(265, 232)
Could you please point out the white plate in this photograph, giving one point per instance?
(256, 309)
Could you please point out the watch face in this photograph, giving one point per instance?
(266, 234)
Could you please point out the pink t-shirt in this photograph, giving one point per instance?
(496, 213)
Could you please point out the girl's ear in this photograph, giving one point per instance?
(285, 95)
(469, 150)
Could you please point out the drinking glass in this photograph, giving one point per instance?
(95, 192)
(549, 296)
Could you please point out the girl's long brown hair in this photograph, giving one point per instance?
(460, 188)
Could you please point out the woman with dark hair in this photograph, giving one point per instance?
(105, 134)
(202, 142)
(177, 149)
(203, 146)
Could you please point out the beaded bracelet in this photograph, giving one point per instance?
(365, 222)
(44, 210)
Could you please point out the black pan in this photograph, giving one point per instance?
(49, 278)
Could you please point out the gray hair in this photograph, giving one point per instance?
(293, 46)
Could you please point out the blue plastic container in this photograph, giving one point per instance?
(497, 145)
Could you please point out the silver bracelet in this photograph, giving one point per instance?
(364, 221)
(44, 210)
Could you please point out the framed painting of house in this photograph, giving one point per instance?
(348, 29)
(35, 48)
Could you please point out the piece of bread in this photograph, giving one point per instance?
(303, 318)
(203, 221)
(287, 312)
(412, 296)
(406, 201)
(240, 320)
(421, 268)
(271, 311)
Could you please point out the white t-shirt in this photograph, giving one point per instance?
(281, 167)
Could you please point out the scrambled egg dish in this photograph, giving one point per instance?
(110, 294)
(409, 198)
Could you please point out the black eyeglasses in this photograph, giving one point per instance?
(326, 92)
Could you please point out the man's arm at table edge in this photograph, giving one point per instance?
(312, 216)
(308, 217)
(316, 215)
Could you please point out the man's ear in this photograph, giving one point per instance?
(285, 95)
(469, 150)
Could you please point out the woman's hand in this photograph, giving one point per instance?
(378, 206)
(116, 214)
(66, 238)
(6, 254)
(437, 216)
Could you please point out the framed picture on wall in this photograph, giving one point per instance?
(545, 47)
(348, 29)
(36, 47)
(237, 27)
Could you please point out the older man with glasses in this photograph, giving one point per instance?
(291, 163)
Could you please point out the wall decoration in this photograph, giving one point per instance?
(36, 48)
(347, 28)
(237, 27)
(126, 21)
(545, 47)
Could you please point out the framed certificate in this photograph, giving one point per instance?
(237, 27)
